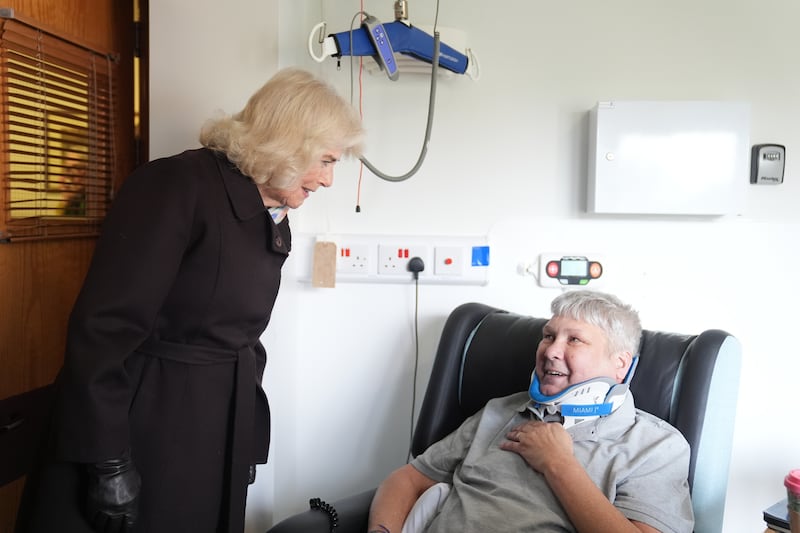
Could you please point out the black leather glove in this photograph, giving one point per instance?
(113, 495)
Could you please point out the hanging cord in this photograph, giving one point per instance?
(416, 364)
(360, 107)
(361, 13)
(429, 125)
(415, 265)
(431, 106)
(360, 97)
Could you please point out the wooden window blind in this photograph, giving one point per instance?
(57, 131)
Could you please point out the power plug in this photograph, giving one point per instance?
(416, 265)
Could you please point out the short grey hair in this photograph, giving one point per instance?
(618, 320)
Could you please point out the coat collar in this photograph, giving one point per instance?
(242, 191)
(247, 204)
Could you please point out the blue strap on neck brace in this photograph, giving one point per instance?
(614, 391)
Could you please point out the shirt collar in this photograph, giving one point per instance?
(609, 427)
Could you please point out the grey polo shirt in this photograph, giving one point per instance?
(639, 461)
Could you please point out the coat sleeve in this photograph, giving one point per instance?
(137, 257)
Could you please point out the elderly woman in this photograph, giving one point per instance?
(161, 416)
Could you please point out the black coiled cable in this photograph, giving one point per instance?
(330, 510)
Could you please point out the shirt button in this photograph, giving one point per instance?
(278, 242)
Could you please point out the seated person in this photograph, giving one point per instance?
(603, 466)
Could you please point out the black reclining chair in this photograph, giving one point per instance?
(689, 380)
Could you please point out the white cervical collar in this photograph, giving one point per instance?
(581, 402)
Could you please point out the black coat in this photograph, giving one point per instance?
(163, 353)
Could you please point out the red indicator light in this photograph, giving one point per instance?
(552, 269)
(448, 261)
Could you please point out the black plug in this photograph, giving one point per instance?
(416, 265)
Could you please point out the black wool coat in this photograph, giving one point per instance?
(163, 353)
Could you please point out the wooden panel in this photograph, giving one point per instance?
(88, 20)
(38, 285)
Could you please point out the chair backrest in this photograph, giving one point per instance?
(691, 381)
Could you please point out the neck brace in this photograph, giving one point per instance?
(588, 400)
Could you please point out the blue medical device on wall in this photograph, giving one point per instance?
(381, 42)
(401, 38)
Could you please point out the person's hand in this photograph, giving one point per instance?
(541, 444)
(113, 495)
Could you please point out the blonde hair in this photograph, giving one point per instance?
(284, 129)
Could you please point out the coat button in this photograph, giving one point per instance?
(278, 242)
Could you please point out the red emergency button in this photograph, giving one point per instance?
(552, 269)
(595, 270)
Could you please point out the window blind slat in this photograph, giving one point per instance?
(68, 68)
(26, 112)
(40, 88)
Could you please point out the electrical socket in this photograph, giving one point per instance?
(393, 258)
(353, 259)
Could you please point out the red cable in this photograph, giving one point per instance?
(361, 115)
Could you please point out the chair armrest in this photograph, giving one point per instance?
(353, 514)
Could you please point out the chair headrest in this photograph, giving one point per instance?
(498, 358)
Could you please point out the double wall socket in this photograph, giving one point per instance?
(353, 259)
(393, 258)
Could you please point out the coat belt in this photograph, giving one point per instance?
(241, 452)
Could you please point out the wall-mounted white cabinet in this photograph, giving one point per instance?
(668, 157)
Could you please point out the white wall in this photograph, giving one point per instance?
(206, 58)
(507, 160)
